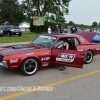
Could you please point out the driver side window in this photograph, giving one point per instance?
(69, 43)
(62, 44)
(76, 42)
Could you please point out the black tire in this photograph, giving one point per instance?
(88, 57)
(9, 34)
(20, 34)
(29, 66)
(62, 68)
(1, 35)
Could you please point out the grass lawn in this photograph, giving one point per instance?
(14, 38)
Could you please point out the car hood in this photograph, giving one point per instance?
(87, 35)
(21, 48)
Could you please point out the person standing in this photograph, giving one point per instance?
(49, 30)
(57, 29)
(61, 29)
(73, 29)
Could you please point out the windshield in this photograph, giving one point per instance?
(11, 26)
(43, 40)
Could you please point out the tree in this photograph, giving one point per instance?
(11, 11)
(94, 24)
(99, 24)
(52, 10)
(71, 23)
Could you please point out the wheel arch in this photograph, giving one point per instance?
(90, 59)
(29, 58)
(90, 50)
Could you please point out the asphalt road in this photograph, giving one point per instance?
(71, 84)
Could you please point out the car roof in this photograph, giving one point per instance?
(63, 35)
(87, 35)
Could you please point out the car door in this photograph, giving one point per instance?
(71, 58)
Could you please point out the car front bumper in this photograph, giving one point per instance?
(4, 64)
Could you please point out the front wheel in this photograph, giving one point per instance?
(20, 34)
(88, 57)
(9, 34)
(29, 66)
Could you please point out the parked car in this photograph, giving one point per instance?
(7, 29)
(1, 31)
(96, 39)
(65, 31)
(46, 50)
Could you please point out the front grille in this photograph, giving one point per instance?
(1, 58)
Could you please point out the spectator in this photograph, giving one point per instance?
(61, 29)
(90, 30)
(57, 29)
(73, 29)
(49, 30)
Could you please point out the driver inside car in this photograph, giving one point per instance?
(62, 45)
(65, 46)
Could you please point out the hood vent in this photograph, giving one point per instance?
(20, 46)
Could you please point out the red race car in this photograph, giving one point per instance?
(49, 50)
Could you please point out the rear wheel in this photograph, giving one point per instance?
(88, 57)
(29, 66)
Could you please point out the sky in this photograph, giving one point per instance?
(84, 11)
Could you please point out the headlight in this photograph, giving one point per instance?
(4, 64)
(12, 30)
(1, 31)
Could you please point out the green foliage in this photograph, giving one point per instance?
(99, 24)
(26, 19)
(52, 10)
(11, 11)
(44, 28)
(94, 24)
(71, 23)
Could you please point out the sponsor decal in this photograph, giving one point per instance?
(98, 49)
(65, 57)
(30, 53)
(46, 64)
(45, 59)
(81, 50)
(14, 60)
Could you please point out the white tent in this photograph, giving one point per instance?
(24, 25)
